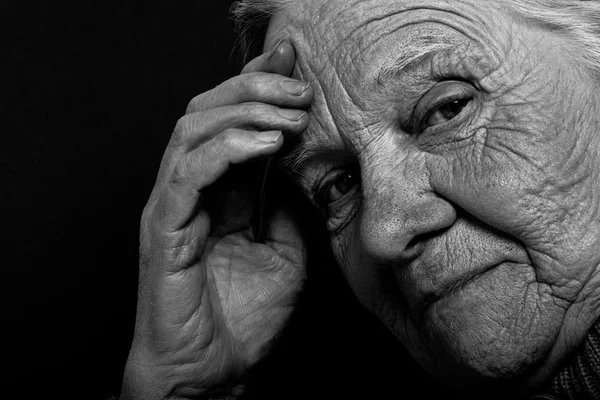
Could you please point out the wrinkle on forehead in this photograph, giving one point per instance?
(323, 22)
(344, 48)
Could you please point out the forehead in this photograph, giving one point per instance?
(351, 33)
(343, 46)
(333, 22)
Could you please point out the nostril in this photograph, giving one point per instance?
(399, 231)
(423, 238)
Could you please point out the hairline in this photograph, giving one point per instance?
(577, 20)
(545, 14)
(251, 18)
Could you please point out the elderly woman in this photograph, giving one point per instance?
(453, 150)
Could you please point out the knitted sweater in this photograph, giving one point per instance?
(580, 378)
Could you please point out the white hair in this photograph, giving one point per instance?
(578, 20)
(251, 20)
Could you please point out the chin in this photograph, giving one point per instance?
(462, 366)
(487, 335)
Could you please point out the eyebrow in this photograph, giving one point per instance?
(306, 148)
(420, 47)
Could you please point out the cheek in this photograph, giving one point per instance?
(495, 185)
(527, 172)
(527, 185)
(516, 175)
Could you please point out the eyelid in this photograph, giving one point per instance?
(442, 93)
(319, 188)
(318, 184)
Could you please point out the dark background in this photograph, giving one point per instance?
(90, 92)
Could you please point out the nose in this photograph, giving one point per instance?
(400, 211)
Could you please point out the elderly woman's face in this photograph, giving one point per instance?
(454, 151)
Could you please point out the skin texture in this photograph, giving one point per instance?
(474, 238)
(210, 297)
(470, 229)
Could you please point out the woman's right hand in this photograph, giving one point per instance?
(210, 296)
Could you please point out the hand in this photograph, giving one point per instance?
(211, 298)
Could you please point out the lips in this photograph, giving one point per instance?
(430, 297)
(461, 256)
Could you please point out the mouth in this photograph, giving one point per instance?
(430, 297)
(446, 294)
(466, 256)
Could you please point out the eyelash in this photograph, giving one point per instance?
(445, 102)
(459, 93)
(321, 190)
(423, 121)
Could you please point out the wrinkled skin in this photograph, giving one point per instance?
(474, 236)
(471, 229)
(211, 296)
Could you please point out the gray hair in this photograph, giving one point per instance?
(579, 20)
(251, 19)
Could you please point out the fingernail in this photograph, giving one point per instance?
(269, 136)
(272, 53)
(292, 115)
(293, 87)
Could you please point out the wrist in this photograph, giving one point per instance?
(143, 380)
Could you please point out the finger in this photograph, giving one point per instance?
(255, 87)
(194, 129)
(280, 60)
(202, 167)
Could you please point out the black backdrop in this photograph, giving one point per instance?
(90, 92)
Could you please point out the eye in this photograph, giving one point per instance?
(335, 186)
(443, 103)
(447, 112)
(341, 185)
(338, 197)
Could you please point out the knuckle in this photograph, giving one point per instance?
(180, 128)
(184, 126)
(203, 101)
(194, 104)
(220, 147)
(249, 84)
(180, 173)
(255, 109)
(207, 100)
(244, 84)
(228, 139)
